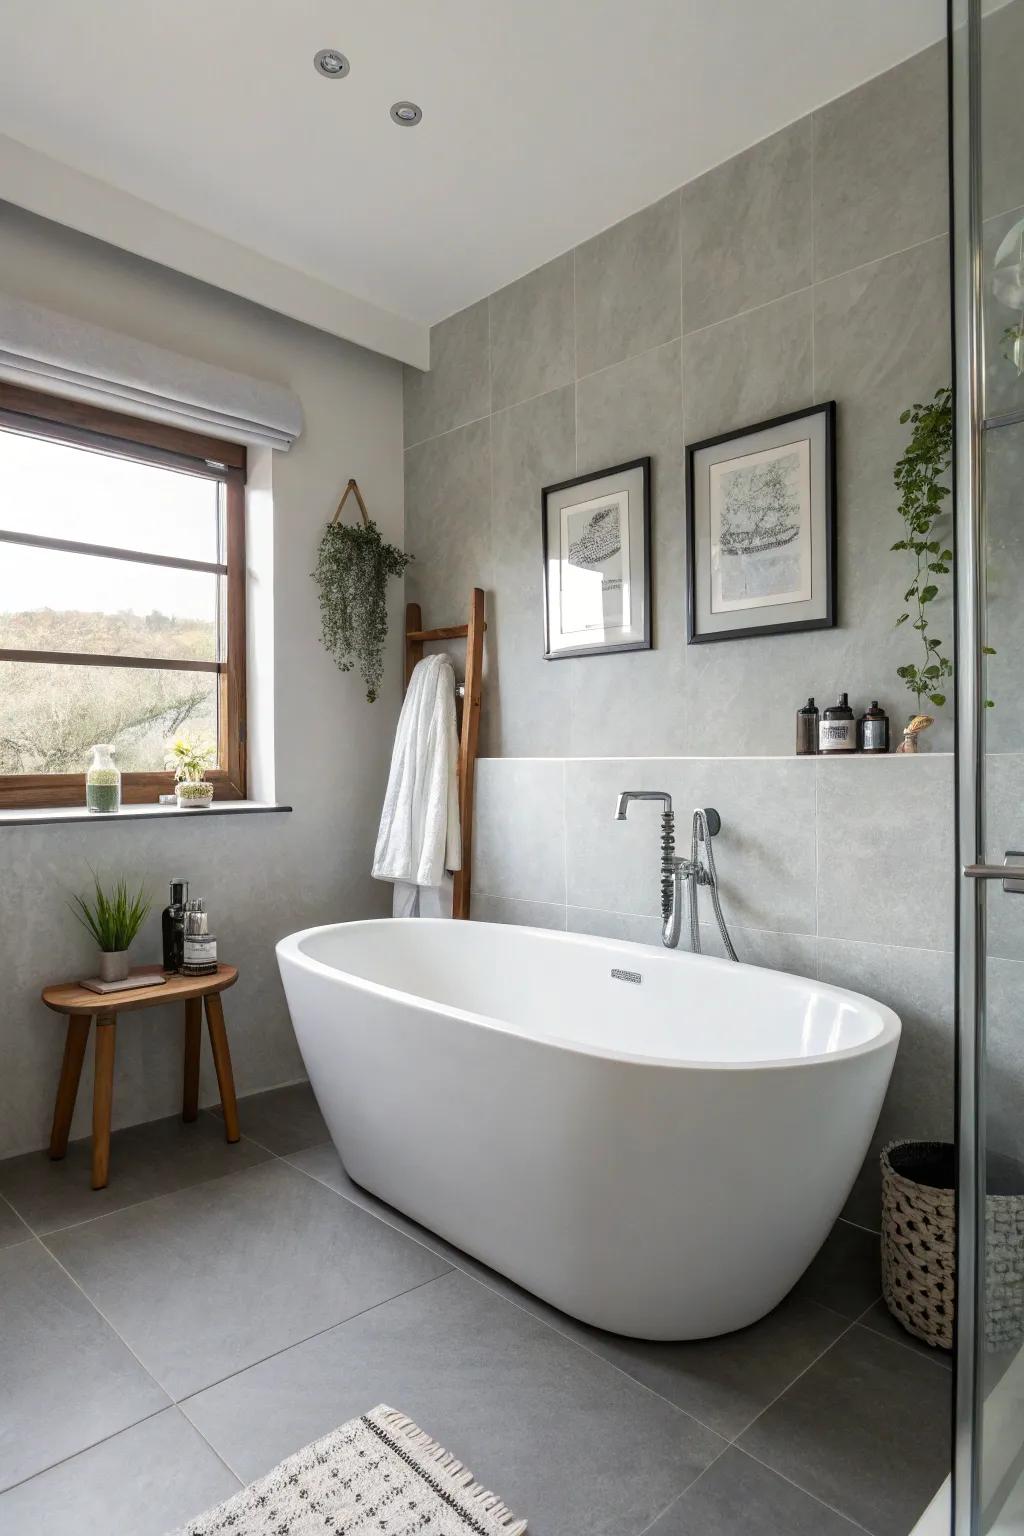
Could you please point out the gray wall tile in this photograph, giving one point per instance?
(748, 369)
(532, 334)
(1004, 1058)
(795, 953)
(626, 412)
(527, 706)
(613, 925)
(880, 169)
(1004, 828)
(1003, 555)
(746, 228)
(918, 985)
(880, 344)
(627, 287)
(1004, 386)
(448, 480)
(1002, 48)
(519, 848)
(885, 850)
(520, 914)
(764, 853)
(457, 388)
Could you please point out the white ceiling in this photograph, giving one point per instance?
(544, 121)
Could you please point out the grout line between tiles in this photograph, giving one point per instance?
(239, 1479)
(800, 1374)
(230, 1173)
(934, 1358)
(456, 1268)
(677, 1498)
(100, 1313)
(168, 1407)
(854, 1524)
(318, 1333)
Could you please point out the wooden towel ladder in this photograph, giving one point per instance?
(473, 634)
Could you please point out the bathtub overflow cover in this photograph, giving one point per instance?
(633, 976)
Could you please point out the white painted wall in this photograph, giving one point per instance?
(263, 876)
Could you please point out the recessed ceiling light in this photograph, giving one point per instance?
(406, 114)
(331, 63)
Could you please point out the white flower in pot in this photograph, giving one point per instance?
(113, 919)
(190, 760)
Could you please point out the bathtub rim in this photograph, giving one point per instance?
(888, 1034)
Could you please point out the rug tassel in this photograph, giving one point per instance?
(487, 1502)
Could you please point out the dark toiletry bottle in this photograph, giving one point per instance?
(807, 729)
(200, 952)
(172, 924)
(873, 729)
(838, 731)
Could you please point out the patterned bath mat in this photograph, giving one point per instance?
(379, 1473)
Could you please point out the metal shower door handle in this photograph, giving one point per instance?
(1010, 872)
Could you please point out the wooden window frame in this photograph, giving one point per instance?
(82, 425)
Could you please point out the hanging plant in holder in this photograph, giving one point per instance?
(352, 570)
(920, 477)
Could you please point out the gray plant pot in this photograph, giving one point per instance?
(113, 965)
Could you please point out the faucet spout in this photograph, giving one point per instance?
(627, 795)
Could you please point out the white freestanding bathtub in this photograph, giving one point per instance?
(655, 1142)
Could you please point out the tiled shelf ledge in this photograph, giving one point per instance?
(57, 815)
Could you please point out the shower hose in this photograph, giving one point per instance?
(709, 877)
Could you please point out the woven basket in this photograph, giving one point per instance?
(919, 1244)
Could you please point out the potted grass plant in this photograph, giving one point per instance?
(190, 759)
(113, 918)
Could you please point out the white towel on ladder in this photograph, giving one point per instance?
(420, 838)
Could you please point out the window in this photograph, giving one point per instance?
(122, 599)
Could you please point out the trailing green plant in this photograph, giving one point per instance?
(115, 917)
(190, 759)
(920, 477)
(352, 570)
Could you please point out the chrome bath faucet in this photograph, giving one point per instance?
(706, 824)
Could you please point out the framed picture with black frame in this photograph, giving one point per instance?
(761, 528)
(596, 541)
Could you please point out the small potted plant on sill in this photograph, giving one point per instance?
(113, 919)
(190, 760)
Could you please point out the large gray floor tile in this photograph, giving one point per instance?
(866, 1430)
(324, 1164)
(145, 1160)
(724, 1382)
(880, 1320)
(568, 1443)
(846, 1275)
(145, 1481)
(736, 1496)
(206, 1282)
(66, 1379)
(282, 1119)
(12, 1228)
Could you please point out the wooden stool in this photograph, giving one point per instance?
(82, 1006)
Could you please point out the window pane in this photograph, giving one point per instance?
(74, 493)
(50, 715)
(54, 601)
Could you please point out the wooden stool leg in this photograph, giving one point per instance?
(102, 1100)
(193, 1044)
(75, 1042)
(222, 1063)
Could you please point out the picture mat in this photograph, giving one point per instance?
(763, 499)
(633, 632)
(594, 590)
(812, 427)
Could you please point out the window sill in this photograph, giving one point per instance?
(60, 814)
